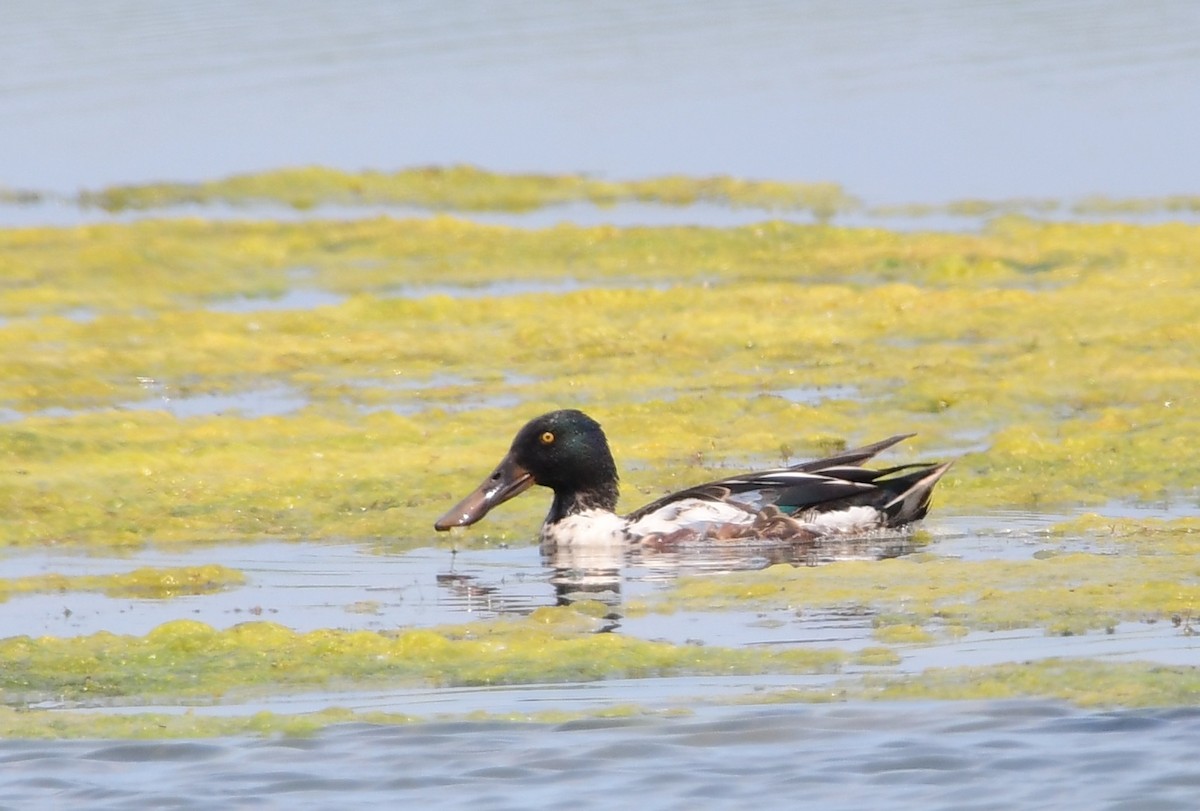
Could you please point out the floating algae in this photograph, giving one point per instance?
(145, 582)
(1062, 349)
(1063, 594)
(467, 188)
(1055, 361)
(184, 658)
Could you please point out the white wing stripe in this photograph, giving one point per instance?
(788, 477)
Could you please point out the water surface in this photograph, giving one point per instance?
(312, 585)
(923, 101)
(970, 755)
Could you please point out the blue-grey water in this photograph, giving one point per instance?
(723, 751)
(928, 101)
(923, 101)
(971, 755)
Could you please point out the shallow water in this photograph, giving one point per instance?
(310, 586)
(1000, 755)
(51, 210)
(329, 584)
(265, 401)
(693, 741)
(297, 298)
(306, 298)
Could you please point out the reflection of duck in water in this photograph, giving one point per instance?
(831, 498)
(596, 572)
(585, 573)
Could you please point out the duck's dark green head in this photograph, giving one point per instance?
(563, 450)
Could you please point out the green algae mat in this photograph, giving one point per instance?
(182, 382)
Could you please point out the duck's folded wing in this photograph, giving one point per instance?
(795, 488)
(789, 490)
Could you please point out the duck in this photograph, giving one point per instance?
(567, 452)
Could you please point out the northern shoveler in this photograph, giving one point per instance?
(568, 452)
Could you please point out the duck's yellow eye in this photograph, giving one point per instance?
(547, 437)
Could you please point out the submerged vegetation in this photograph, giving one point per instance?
(176, 382)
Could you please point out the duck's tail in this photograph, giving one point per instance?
(915, 491)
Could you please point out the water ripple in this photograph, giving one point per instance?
(918, 755)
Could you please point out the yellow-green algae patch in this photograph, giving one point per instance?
(902, 633)
(1057, 361)
(1064, 594)
(188, 658)
(1083, 682)
(876, 657)
(1061, 355)
(1109, 206)
(145, 582)
(1164, 535)
(44, 725)
(59, 724)
(468, 188)
(1091, 206)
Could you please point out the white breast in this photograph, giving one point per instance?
(588, 528)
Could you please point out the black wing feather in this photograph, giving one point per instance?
(854, 456)
(833, 480)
